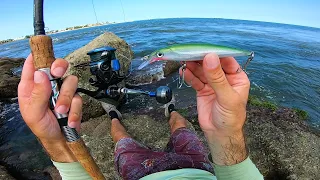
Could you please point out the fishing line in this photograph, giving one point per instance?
(124, 15)
(94, 10)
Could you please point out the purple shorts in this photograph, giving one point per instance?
(184, 150)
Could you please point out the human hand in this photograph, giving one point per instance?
(34, 91)
(222, 94)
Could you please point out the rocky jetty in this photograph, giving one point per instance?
(8, 80)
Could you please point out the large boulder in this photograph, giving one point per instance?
(8, 80)
(92, 107)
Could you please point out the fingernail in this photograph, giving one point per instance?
(38, 77)
(212, 62)
(72, 124)
(59, 71)
(62, 109)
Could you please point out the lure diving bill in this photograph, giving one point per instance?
(193, 52)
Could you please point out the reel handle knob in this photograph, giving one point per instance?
(163, 94)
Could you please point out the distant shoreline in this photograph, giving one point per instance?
(68, 29)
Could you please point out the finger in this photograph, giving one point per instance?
(40, 94)
(28, 69)
(216, 77)
(59, 67)
(26, 83)
(67, 91)
(197, 70)
(238, 80)
(240, 83)
(75, 114)
(229, 65)
(192, 80)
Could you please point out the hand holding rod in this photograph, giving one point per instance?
(42, 52)
(41, 47)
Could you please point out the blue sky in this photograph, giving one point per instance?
(16, 16)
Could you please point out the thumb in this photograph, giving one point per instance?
(41, 93)
(216, 76)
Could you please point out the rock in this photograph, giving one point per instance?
(138, 78)
(170, 67)
(20, 151)
(152, 73)
(8, 81)
(4, 174)
(280, 144)
(53, 172)
(92, 107)
(25, 159)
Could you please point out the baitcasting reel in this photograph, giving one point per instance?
(105, 70)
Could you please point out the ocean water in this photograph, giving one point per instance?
(285, 70)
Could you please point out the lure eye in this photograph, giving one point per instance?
(160, 54)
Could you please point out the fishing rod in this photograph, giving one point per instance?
(43, 55)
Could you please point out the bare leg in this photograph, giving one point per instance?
(117, 130)
(176, 121)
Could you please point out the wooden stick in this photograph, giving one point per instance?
(43, 57)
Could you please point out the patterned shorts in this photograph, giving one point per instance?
(184, 150)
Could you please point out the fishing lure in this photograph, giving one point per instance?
(193, 52)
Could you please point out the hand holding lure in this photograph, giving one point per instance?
(193, 52)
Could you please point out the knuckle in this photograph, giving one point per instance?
(248, 82)
(37, 93)
(77, 99)
(66, 97)
(218, 77)
(20, 86)
(75, 116)
(73, 78)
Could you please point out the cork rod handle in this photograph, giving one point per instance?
(42, 51)
(82, 154)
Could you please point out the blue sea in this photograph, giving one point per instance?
(285, 70)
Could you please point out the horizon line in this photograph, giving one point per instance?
(271, 22)
(223, 19)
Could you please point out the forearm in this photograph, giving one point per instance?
(58, 151)
(64, 160)
(227, 149)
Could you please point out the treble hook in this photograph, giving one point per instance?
(251, 56)
(181, 81)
